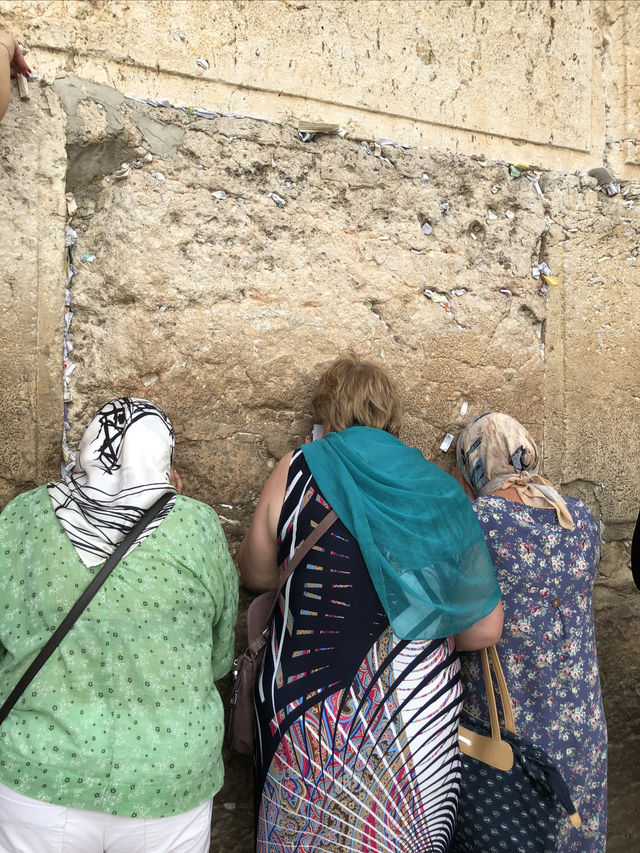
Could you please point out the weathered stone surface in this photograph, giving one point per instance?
(617, 20)
(592, 382)
(224, 309)
(552, 83)
(32, 173)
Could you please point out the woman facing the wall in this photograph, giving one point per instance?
(116, 743)
(359, 697)
(546, 550)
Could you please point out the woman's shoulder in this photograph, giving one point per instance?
(195, 509)
(34, 501)
(577, 504)
(492, 506)
(581, 514)
(199, 522)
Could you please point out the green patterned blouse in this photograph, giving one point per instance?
(124, 717)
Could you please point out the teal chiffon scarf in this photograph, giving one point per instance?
(416, 529)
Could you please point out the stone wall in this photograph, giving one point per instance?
(33, 167)
(228, 270)
(222, 308)
(555, 82)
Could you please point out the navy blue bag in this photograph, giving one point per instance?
(512, 795)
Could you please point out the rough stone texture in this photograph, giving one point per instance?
(593, 346)
(32, 174)
(549, 82)
(224, 310)
(620, 55)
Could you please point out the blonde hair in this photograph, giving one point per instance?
(353, 392)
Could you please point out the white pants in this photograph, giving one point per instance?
(30, 826)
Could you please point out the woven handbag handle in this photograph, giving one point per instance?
(557, 782)
(505, 698)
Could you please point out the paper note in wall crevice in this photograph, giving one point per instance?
(23, 87)
(446, 442)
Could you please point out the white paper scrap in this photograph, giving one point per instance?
(23, 87)
(446, 442)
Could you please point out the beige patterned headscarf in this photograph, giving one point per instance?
(496, 452)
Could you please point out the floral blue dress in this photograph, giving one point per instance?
(548, 649)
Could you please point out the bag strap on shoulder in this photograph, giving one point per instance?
(305, 546)
(72, 616)
(301, 551)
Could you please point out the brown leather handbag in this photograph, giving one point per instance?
(246, 668)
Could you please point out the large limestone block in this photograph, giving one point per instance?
(592, 383)
(32, 181)
(619, 24)
(225, 309)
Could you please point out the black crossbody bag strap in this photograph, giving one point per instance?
(69, 620)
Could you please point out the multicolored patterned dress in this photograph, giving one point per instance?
(357, 743)
(548, 649)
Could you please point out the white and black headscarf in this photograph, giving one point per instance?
(122, 467)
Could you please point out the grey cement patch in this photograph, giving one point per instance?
(163, 139)
(72, 90)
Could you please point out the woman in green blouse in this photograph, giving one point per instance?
(116, 743)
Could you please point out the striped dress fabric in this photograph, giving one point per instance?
(357, 746)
